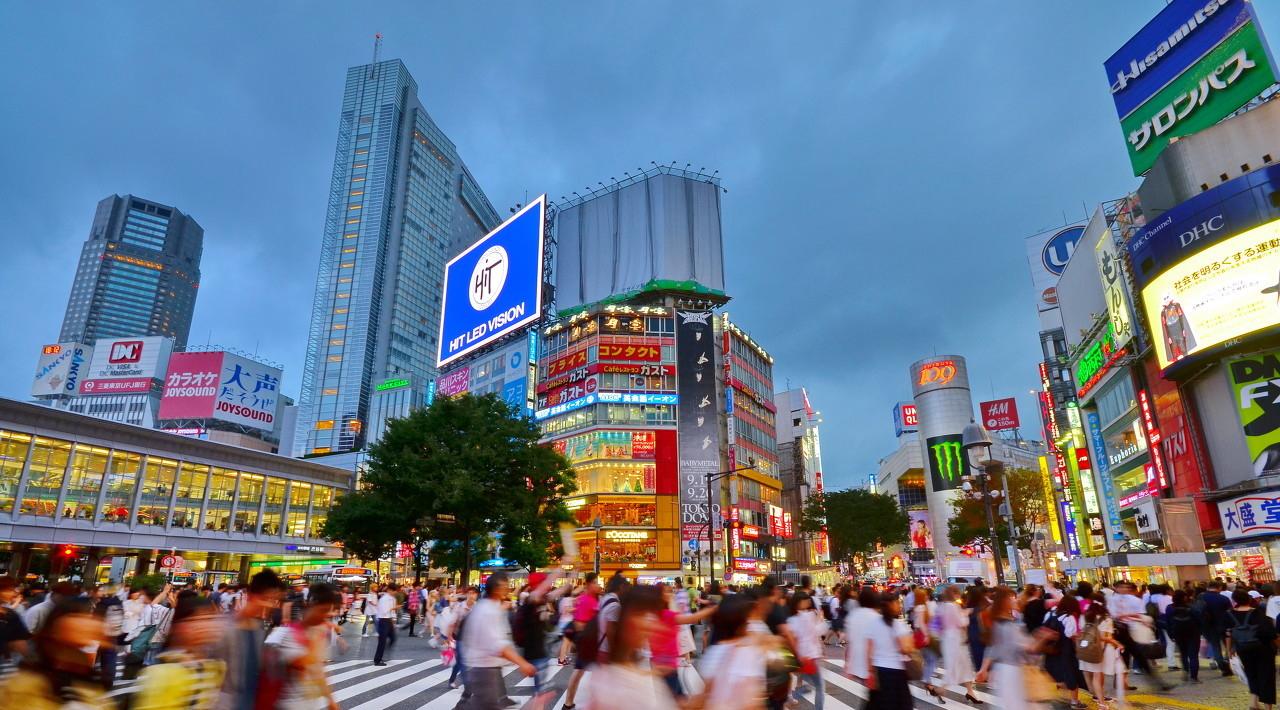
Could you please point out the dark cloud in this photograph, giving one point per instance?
(883, 160)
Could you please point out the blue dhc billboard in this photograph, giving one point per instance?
(1209, 217)
(495, 286)
(1175, 39)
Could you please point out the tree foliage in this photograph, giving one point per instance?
(856, 521)
(469, 457)
(968, 523)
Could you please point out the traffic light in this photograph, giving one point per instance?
(68, 552)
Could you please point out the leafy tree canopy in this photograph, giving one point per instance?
(856, 520)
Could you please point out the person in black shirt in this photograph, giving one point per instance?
(1251, 635)
(13, 632)
(1033, 608)
(533, 620)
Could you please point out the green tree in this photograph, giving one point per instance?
(470, 461)
(856, 521)
(968, 523)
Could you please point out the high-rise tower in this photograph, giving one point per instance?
(401, 203)
(138, 273)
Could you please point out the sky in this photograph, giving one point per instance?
(884, 161)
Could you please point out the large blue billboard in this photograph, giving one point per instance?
(1175, 39)
(1209, 217)
(495, 286)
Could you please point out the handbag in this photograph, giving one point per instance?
(913, 664)
(142, 640)
(1040, 686)
(691, 681)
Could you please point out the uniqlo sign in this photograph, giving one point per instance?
(1000, 414)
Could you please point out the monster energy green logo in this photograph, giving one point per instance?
(947, 461)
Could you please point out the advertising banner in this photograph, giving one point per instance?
(515, 393)
(565, 364)
(191, 386)
(1108, 492)
(248, 394)
(699, 421)
(921, 530)
(1054, 530)
(947, 462)
(454, 383)
(1228, 77)
(638, 372)
(1255, 381)
(647, 351)
(60, 368)
(1167, 46)
(495, 286)
(1221, 293)
(1201, 221)
(1252, 514)
(1047, 255)
(1097, 360)
(126, 365)
(1000, 414)
(568, 393)
(905, 418)
(1115, 287)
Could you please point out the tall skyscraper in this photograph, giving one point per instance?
(138, 273)
(401, 203)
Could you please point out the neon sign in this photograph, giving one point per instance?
(1098, 360)
(941, 372)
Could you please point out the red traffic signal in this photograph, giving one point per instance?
(68, 551)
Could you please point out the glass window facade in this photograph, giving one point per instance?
(167, 492)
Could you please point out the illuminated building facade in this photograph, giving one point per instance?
(401, 203)
(138, 274)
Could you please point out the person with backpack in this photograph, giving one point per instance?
(1183, 624)
(1251, 637)
(295, 654)
(533, 620)
(1135, 631)
(1099, 652)
(1060, 655)
(1213, 607)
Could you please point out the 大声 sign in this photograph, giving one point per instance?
(495, 286)
(223, 386)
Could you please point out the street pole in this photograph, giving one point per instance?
(991, 527)
(711, 528)
(597, 524)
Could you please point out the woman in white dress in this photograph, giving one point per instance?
(957, 666)
(1112, 663)
(1007, 656)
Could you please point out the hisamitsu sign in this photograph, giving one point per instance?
(495, 286)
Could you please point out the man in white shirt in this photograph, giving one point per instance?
(1127, 608)
(486, 646)
(858, 630)
(386, 615)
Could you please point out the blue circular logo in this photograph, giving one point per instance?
(1057, 251)
(515, 359)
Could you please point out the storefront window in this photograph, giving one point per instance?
(274, 508)
(44, 480)
(13, 454)
(222, 489)
(250, 499)
(323, 500)
(88, 466)
(299, 499)
(157, 488)
(122, 483)
(617, 478)
(617, 514)
(191, 485)
(616, 552)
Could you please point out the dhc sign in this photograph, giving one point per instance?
(495, 286)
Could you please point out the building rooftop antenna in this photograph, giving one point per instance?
(377, 50)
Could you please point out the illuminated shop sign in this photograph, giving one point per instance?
(568, 393)
(746, 564)
(567, 363)
(1104, 472)
(606, 368)
(565, 408)
(1216, 296)
(651, 352)
(608, 444)
(393, 384)
(627, 535)
(1153, 440)
(750, 532)
(1097, 360)
(941, 372)
(637, 398)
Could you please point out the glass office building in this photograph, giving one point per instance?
(401, 203)
(138, 273)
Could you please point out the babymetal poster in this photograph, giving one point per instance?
(699, 427)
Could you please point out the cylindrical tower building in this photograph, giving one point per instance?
(940, 385)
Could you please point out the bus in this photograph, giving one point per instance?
(357, 579)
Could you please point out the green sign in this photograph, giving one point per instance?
(392, 384)
(298, 563)
(946, 461)
(1255, 380)
(1225, 79)
(1097, 360)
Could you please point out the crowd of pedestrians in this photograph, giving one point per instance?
(667, 645)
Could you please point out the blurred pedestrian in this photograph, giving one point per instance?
(301, 647)
(13, 631)
(1008, 654)
(185, 675)
(486, 647)
(807, 628)
(887, 642)
(926, 632)
(629, 683)
(1098, 652)
(957, 661)
(1062, 664)
(386, 610)
(1183, 623)
(60, 672)
(240, 647)
(1251, 637)
(734, 667)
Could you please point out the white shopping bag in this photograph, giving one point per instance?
(691, 681)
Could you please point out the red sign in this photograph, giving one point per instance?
(170, 561)
(607, 368)
(750, 532)
(128, 385)
(786, 525)
(191, 386)
(643, 445)
(1252, 562)
(909, 416)
(1153, 441)
(566, 363)
(568, 393)
(125, 351)
(746, 564)
(1000, 414)
(616, 351)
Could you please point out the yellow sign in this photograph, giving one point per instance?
(1049, 500)
(1229, 290)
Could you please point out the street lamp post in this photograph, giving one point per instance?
(976, 439)
(597, 524)
(711, 528)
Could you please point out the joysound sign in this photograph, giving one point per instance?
(495, 286)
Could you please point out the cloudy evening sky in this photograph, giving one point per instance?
(884, 161)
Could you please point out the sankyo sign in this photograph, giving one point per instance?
(1224, 80)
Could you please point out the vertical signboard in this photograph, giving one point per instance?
(1255, 381)
(1049, 497)
(947, 461)
(1108, 492)
(1115, 287)
(699, 419)
(904, 418)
